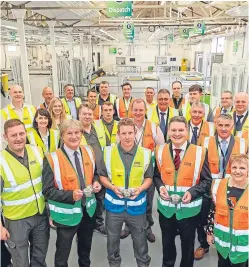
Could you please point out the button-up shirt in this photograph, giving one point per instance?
(45, 139)
(165, 114)
(72, 107)
(220, 139)
(192, 129)
(244, 114)
(127, 103)
(183, 147)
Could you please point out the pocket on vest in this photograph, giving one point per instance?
(72, 182)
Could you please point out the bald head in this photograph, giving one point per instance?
(17, 94)
(241, 102)
(47, 94)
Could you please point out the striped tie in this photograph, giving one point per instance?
(177, 159)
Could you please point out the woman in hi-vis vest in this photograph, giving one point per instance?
(228, 218)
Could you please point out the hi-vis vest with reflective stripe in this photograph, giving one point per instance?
(217, 112)
(22, 189)
(112, 98)
(150, 108)
(149, 135)
(210, 144)
(101, 136)
(28, 114)
(245, 129)
(121, 108)
(172, 113)
(231, 226)
(178, 182)
(186, 111)
(117, 173)
(172, 104)
(207, 129)
(76, 100)
(66, 178)
(97, 112)
(112, 137)
(35, 139)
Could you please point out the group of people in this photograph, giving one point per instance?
(64, 164)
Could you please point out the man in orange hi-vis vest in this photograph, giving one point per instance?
(47, 94)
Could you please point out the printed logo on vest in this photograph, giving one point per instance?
(187, 163)
(87, 163)
(137, 164)
(32, 162)
(243, 207)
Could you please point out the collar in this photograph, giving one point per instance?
(166, 111)
(182, 147)
(228, 109)
(131, 152)
(142, 126)
(127, 101)
(14, 155)
(68, 100)
(108, 123)
(151, 104)
(103, 98)
(244, 114)
(228, 139)
(69, 151)
(23, 106)
(47, 134)
(198, 126)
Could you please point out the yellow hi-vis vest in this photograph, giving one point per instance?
(112, 99)
(172, 113)
(35, 139)
(101, 136)
(76, 100)
(28, 114)
(186, 111)
(22, 190)
(117, 175)
(112, 137)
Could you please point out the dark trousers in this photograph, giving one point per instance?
(187, 228)
(100, 208)
(227, 263)
(65, 237)
(5, 255)
(203, 215)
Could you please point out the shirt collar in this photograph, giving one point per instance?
(228, 109)
(68, 100)
(142, 126)
(198, 126)
(69, 151)
(13, 107)
(127, 101)
(182, 147)
(166, 111)
(228, 139)
(108, 123)
(244, 114)
(47, 134)
(131, 152)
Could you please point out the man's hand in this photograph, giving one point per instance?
(4, 233)
(135, 193)
(96, 187)
(117, 191)
(164, 193)
(77, 194)
(210, 239)
(186, 198)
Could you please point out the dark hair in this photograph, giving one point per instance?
(12, 123)
(176, 82)
(195, 87)
(67, 85)
(126, 84)
(107, 103)
(92, 90)
(45, 113)
(104, 82)
(180, 119)
(150, 88)
(163, 91)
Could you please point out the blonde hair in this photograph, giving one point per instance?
(239, 158)
(62, 115)
(70, 124)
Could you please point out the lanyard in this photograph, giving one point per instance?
(141, 136)
(223, 156)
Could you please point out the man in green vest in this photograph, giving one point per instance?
(23, 206)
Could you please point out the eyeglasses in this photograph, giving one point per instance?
(163, 99)
(226, 98)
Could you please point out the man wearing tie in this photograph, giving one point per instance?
(240, 115)
(198, 128)
(67, 174)
(226, 104)
(220, 149)
(181, 184)
(162, 113)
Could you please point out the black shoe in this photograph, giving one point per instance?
(101, 230)
(151, 237)
(124, 234)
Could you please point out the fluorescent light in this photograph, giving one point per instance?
(101, 37)
(106, 33)
(162, 3)
(9, 27)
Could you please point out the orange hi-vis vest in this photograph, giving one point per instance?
(172, 104)
(217, 112)
(149, 135)
(231, 231)
(207, 129)
(240, 147)
(97, 112)
(121, 108)
(42, 106)
(66, 178)
(178, 182)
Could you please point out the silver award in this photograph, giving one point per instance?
(88, 191)
(175, 199)
(127, 193)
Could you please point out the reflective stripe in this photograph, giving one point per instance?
(227, 230)
(90, 203)
(113, 200)
(89, 151)
(98, 123)
(215, 176)
(192, 204)
(147, 158)
(57, 172)
(36, 151)
(215, 189)
(136, 203)
(221, 243)
(211, 129)
(63, 210)
(198, 157)
(242, 146)
(23, 186)
(28, 126)
(240, 249)
(160, 154)
(184, 109)
(153, 129)
(56, 138)
(22, 201)
(239, 133)
(175, 112)
(206, 110)
(7, 112)
(30, 112)
(117, 106)
(108, 152)
(178, 188)
(8, 172)
(32, 138)
(166, 203)
(206, 142)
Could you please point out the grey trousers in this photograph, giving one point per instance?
(137, 225)
(33, 230)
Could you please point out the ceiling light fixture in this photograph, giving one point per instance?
(106, 33)
(153, 35)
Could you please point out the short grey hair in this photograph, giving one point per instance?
(224, 117)
(198, 104)
(70, 124)
(138, 100)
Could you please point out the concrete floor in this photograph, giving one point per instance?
(98, 254)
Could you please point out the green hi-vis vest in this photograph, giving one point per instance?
(66, 178)
(35, 139)
(22, 188)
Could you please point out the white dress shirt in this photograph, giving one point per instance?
(165, 114)
(228, 141)
(127, 103)
(191, 129)
(183, 147)
(45, 139)
(241, 120)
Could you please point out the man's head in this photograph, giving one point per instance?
(178, 130)
(197, 112)
(104, 89)
(92, 96)
(149, 94)
(195, 93)
(126, 133)
(241, 102)
(177, 89)
(163, 98)
(69, 91)
(15, 135)
(71, 132)
(16, 94)
(47, 94)
(126, 89)
(224, 125)
(226, 99)
(139, 110)
(85, 115)
(107, 111)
